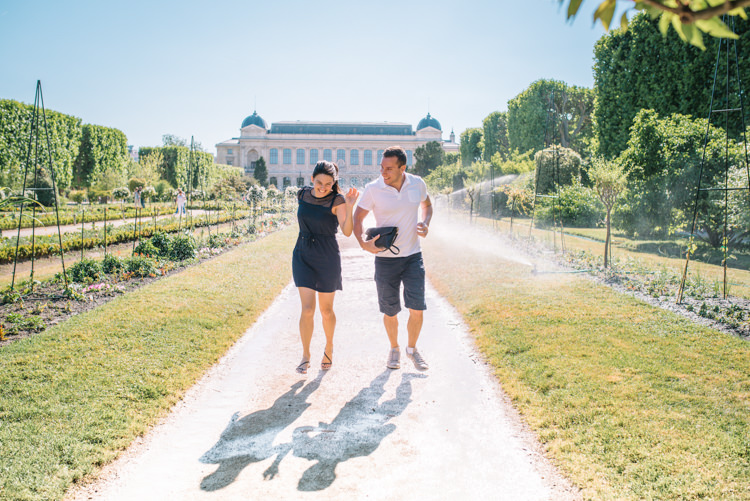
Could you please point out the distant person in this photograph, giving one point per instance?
(316, 261)
(181, 199)
(137, 197)
(395, 199)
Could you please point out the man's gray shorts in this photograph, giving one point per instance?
(390, 273)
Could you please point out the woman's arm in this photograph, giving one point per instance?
(344, 211)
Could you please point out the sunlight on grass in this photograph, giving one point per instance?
(631, 401)
(73, 396)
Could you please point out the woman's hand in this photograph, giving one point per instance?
(351, 196)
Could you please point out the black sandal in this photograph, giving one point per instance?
(326, 365)
(302, 367)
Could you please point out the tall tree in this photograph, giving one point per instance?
(609, 181)
(261, 172)
(471, 146)
(549, 111)
(496, 135)
(172, 140)
(427, 157)
(641, 69)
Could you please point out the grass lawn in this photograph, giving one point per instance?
(73, 396)
(631, 401)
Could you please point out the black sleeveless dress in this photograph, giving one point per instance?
(316, 261)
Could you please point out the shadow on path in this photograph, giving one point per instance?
(356, 431)
(250, 439)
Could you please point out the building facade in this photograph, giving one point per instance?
(291, 149)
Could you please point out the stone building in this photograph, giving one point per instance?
(291, 149)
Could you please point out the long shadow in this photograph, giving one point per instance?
(250, 439)
(356, 431)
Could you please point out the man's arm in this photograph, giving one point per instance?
(424, 225)
(359, 216)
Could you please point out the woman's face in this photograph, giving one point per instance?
(322, 185)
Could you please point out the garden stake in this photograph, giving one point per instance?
(105, 231)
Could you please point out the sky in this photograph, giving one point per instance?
(198, 68)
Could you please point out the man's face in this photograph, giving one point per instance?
(391, 171)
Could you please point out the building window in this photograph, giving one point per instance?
(300, 182)
(229, 161)
(229, 151)
(368, 157)
(380, 157)
(287, 156)
(327, 155)
(300, 156)
(272, 181)
(287, 180)
(354, 157)
(273, 157)
(341, 157)
(313, 156)
(408, 157)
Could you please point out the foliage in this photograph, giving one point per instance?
(146, 248)
(136, 183)
(609, 181)
(663, 161)
(495, 135)
(427, 157)
(112, 264)
(514, 163)
(182, 247)
(678, 80)
(556, 167)
(85, 271)
(575, 205)
(140, 266)
(163, 190)
(148, 193)
(256, 194)
(162, 242)
(471, 146)
(440, 180)
(103, 150)
(260, 173)
(78, 196)
(689, 18)
(554, 109)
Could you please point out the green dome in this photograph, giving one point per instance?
(429, 121)
(254, 119)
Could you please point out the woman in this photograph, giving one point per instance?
(316, 262)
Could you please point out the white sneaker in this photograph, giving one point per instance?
(394, 359)
(419, 362)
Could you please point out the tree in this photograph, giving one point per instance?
(609, 181)
(553, 109)
(261, 172)
(495, 135)
(471, 146)
(556, 167)
(689, 18)
(172, 140)
(427, 157)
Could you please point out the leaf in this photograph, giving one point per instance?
(664, 23)
(624, 21)
(573, 7)
(739, 11)
(677, 25)
(694, 35)
(716, 28)
(604, 12)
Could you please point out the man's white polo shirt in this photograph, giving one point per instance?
(392, 207)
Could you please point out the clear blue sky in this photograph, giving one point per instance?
(197, 68)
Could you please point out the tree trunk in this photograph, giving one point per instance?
(606, 241)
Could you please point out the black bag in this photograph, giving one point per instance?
(385, 236)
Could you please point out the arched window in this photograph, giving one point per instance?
(328, 155)
(300, 156)
(272, 181)
(300, 182)
(313, 156)
(341, 157)
(287, 181)
(368, 157)
(287, 156)
(273, 156)
(354, 157)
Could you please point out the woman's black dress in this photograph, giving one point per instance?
(316, 261)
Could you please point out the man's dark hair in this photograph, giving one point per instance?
(398, 152)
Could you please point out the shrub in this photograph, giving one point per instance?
(147, 248)
(85, 271)
(112, 264)
(183, 247)
(78, 196)
(215, 241)
(121, 193)
(140, 266)
(576, 205)
(162, 242)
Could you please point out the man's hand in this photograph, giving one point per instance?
(369, 245)
(422, 229)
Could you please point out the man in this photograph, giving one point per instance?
(395, 199)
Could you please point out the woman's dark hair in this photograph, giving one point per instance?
(331, 169)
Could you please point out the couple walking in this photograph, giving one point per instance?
(395, 199)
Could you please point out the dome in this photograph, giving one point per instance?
(254, 119)
(429, 121)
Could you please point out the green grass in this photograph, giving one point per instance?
(632, 402)
(72, 397)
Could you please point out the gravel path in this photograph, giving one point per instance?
(252, 427)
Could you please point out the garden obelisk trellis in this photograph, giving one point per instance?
(728, 109)
(33, 157)
(550, 145)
